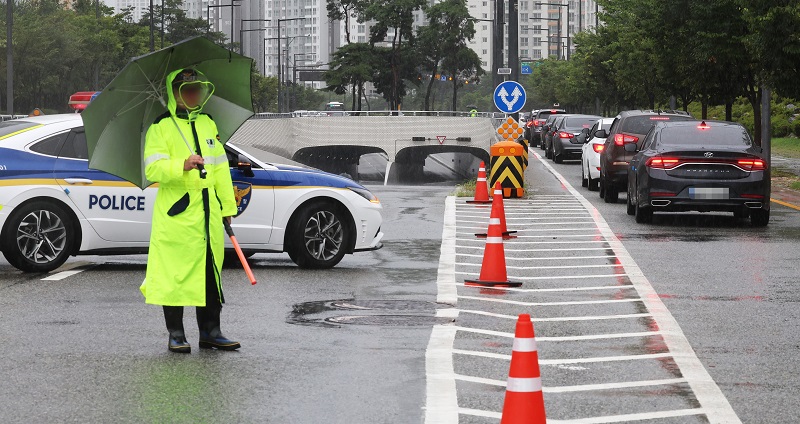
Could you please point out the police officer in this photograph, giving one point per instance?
(195, 192)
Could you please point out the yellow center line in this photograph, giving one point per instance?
(788, 205)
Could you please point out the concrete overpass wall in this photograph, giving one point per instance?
(391, 134)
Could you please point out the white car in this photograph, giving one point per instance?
(53, 206)
(590, 161)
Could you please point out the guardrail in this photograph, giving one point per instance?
(315, 113)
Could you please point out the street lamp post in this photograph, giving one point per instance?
(280, 67)
(548, 32)
(9, 57)
(559, 5)
(208, 14)
(241, 31)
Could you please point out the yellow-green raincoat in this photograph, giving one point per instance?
(182, 224)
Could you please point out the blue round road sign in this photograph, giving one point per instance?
(509, 97)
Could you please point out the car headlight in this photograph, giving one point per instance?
(365, 194)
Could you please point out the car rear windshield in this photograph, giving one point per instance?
(695, 135)
(545, 113)
(10, 127)
(642, 124)
(580, 122)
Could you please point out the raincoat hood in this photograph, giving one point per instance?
(172, 103)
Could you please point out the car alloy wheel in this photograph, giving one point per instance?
(323, 235)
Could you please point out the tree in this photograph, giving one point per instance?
(773, 26)
(397, 16)
(352, 65)
(445, 37)
(463, 66)
(346, 10)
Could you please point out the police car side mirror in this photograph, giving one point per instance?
(244, 165)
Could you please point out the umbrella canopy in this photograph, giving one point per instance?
(116, 121)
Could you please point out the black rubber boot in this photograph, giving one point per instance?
(210, 335)
(173, 315)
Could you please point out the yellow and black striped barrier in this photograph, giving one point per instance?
(506, 166)
(524, 143)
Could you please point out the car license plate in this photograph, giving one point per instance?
(702, 193)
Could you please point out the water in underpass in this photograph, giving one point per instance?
(447, 168)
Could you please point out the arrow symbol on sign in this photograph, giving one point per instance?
(516, 94)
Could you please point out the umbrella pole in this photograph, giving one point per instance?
(239, 253)
(200, 167)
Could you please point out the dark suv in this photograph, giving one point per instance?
(533, 128)
(629, 127)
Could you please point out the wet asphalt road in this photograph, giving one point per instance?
(86, 348)
(734, 291)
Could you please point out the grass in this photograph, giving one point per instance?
(795, 185)
(467, 189)
(787, 147)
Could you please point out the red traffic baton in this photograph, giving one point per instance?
(238, 249)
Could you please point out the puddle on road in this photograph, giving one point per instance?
(331, 313)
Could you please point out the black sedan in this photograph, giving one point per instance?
(699, 166)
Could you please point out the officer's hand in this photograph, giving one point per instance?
(191, 162)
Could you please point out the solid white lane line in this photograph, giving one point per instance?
(567, 303)
(564, 338)
(549, 266)
(557, 319)
(441, 400)
(446, 274)
(550, 236)
(561, 277)
(706, 391)
(543, 258)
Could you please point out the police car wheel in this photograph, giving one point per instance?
(39, 237)
(319, 237)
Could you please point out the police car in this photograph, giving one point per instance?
(53, 206)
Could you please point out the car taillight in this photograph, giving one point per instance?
(662, 194)
(599, 147)
(538, 123)
(621, 139)
(529, 124)
(562, 134)
(662, 163)
(752, 164)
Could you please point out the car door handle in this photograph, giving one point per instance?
(78, 181)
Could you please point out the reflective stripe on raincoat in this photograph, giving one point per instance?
(181, 226)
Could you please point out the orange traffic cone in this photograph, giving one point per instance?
(481, 189)
(524, 400)
(499, 211)
(493, 268)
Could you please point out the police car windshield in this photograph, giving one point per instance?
(10, 127)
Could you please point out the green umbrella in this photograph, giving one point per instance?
(117, 120)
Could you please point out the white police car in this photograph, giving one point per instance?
(53, 206)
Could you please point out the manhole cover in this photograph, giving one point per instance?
(389, 320)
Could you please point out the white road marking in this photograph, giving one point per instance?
(549, 266)
(537, 242)
(567, 303)
(570, 361)
(562, 289)
(447, 256)
(440, 400)
(560, 277)
(578, 388)
(583, 249)
(64, 274)
(557, 319)
(544, 258)
(708, 394)
(480, 413)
